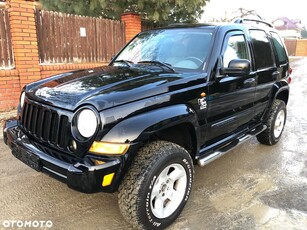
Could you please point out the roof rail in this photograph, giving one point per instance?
(242, 20)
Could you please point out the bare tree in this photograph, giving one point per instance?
(244, 13)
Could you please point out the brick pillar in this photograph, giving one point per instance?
(132, 24)
(24, 40)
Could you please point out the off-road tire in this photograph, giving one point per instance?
(268, 137)
(136, 189)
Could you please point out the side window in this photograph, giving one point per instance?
(236, 49)
(262, 49)
(280, 48)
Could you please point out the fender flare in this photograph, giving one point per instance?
(140, 127)
(278, 88)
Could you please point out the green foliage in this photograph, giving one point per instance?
(168, 11)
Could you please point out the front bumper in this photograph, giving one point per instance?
(79, 176)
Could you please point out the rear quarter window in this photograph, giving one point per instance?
(279, 48)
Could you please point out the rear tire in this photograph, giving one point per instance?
(275, 124)
(157, 186)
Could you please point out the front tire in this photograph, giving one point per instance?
(275, 124)
(157, 186)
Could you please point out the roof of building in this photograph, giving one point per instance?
(284, 23)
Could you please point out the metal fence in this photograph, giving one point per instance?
(65, 38)
(6, 52)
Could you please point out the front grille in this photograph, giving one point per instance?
(45, 124)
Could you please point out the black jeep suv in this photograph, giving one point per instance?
(173, 97)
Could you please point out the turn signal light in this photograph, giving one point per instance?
(108, 148)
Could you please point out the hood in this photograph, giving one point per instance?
(102, 87)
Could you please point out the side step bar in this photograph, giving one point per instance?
(228, 147)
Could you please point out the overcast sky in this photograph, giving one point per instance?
(268, 9)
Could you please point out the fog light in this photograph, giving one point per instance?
(107, 179)
(98, 162)
(109, 148)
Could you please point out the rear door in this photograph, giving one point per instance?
(265, 66)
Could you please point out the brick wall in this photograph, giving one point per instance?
(26, 54)
(133, 25)
(9, 89)
(24, 40)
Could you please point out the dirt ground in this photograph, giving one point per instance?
(252, 187)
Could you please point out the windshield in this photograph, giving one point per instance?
(179, 48)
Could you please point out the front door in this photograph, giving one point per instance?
(231, 99)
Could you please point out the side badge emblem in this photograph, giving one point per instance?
(202, 103)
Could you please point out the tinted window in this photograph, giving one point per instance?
(280, 49)
(262, 49)
(236, 49)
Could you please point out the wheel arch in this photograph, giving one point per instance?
(279, 91)
(182, 134)
(283, 94)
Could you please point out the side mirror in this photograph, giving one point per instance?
(237, 67)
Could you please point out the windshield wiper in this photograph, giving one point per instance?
(169, 66)
(126, 62)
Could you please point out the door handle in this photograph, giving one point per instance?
(275, 75)
(249, 82)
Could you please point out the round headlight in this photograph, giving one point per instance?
(87, 123)
(22, 99)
